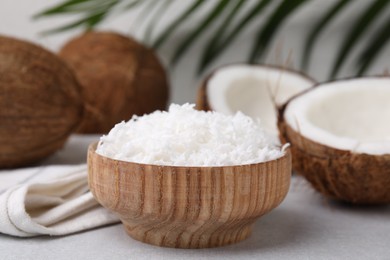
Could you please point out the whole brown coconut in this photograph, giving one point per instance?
(349, 176)
(40, 103)
(119, 78)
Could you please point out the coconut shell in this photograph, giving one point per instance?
(40, 103)
(338, 174)
(119, 77)
(202, 102)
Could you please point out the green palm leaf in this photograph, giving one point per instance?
(78, 6)
(233, 21)
(132, 4)
(64, 7)
(376, 45)
(318, 28)
(144, 14)
(220, 32)
(95, 11)
(207, 21)
(157, 17)
(88, 22)
(266, 33)
(212, 45)
(217, 45)
(359, 28)
(175, 24)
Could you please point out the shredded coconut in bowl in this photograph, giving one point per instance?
(184, 136)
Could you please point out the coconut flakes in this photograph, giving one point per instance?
(184, 136)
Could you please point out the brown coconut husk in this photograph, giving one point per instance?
(202, 102)
(338, 174)
(119, 78)
(40, 103)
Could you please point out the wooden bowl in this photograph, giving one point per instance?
(188, 207)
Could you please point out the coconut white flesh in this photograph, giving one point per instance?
(254, 90)
(351, 115)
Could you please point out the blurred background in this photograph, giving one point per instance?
(286, 47)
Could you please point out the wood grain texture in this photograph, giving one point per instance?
(188, 207)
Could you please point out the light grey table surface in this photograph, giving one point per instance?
(304, 226)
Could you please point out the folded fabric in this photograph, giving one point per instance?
(49, 200)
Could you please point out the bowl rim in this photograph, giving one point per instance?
(286, 156)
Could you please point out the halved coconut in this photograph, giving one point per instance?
(255, 90)
(340, 138)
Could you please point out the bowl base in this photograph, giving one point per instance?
(177, 237)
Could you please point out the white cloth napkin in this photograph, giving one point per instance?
(49, 200)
